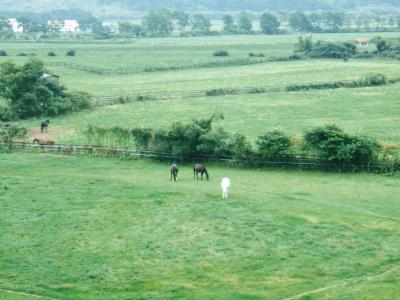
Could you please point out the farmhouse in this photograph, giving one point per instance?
(15, 25)
(65, 25)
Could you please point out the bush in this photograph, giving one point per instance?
(10, 132)
(51, 53)
(251, 54)
(333, 144)
(374, 79)
(22, 54)
(221, 53)
(3, 53)
(274, 145)
(142, 137)
(71, 52)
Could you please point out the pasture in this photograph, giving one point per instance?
(373, 111)
(91, 228)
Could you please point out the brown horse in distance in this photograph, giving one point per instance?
(198, 168)
(43, 142)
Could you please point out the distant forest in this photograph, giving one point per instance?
(133, 8)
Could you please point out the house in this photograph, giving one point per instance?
(65, 25)
(70, 26)
(363, 42)
(15, 25)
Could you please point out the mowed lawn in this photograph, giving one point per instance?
(373, 111)
(91, 228)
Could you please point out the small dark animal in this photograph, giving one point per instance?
(44, 125)
(345, 58)
(174, 171)
(198, 168)
(43, 142)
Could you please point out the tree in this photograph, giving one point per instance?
(182, 20)
(244, 23)
(299, 21)
(6, 31)
(269, 23)
(201, 25)
(334, 21)
(158, 23)
(30, 93)
(95, 26)
(229, 24)
(128, 29)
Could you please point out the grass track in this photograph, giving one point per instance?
(108, 229)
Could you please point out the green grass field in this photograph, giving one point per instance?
(371, 111)
(90, 228)
(109, 229)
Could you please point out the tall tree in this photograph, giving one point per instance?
(158, 23)
(201, 25)
(229, 24)
(269, 23)
(299, 21)
(6, 31)
(182, 20)
(244, 23)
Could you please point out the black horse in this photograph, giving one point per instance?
(174, 171)
(198, 168)
(44, 125)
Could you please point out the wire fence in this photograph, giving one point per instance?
(293, 161)
(172, 95)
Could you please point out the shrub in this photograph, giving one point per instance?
(22, 54)
(10, 132)
(373, 79)
(3, 53)
(221, 53)
(71, 52)
(142, 137)
(251, 54)
(51, 53)
(333, 144)
(274, 145)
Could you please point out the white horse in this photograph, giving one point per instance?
(225, 184)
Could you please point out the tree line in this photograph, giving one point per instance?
(165, 22)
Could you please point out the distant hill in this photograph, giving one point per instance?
(132, 7)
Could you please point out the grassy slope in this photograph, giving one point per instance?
(370, 111)
(81, 228)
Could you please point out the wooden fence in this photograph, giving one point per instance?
(294, 161)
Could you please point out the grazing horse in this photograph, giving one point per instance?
(43, 142)
(44, 126)
(198, 168)
(225, 184)
(174, 171)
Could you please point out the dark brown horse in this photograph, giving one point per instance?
(174, 171)
(43, 142)
(198, 168)
(44, 125)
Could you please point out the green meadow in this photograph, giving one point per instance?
(82, 227)
(92, 228)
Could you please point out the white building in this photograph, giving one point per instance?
(16, 27)
(70, 26)
(65, 25)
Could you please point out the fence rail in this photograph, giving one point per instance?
(172, 95)
(294, 161)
